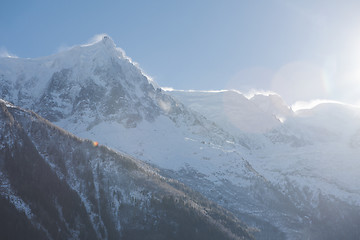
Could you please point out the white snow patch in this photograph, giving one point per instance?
(6, 191)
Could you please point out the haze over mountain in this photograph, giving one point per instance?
(288, 174)
(321, 142)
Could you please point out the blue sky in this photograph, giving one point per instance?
(301, 49)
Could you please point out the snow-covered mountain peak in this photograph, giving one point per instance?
(272, 104)
(104, 43)
(231, 109)
(100, 38)
(232, 147)
(96, 78)
(338, 118)
(107, 40)
(102, 49)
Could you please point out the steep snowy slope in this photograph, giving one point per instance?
(96, 92)
(272, 104)
(62, 187)
(319, 145)
(338, 122)
(311, 155)
(329, 164)
(229, 108)
(71, 82)
(256, 120)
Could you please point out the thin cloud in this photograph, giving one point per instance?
(95, 39)
(4, 53)
(63, 48)
(170, 89)
(300, 105)
(254, 92)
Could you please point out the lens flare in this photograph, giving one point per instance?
(299, 81)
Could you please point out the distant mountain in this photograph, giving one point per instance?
(270, 166)
(57, 186)
(309, 141)
(310, 155)
(234, 112)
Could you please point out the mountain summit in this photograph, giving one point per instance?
(95, 78)
(94, 91)
(271, 167)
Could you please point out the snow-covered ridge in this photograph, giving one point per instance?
(73, 79)
(7, 104)
(236, 112)
(329, 131)
(91, 93)
(251, 153)
(35, 73)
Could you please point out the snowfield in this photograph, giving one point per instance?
(279, 170)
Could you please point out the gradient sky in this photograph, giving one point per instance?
(301, 49)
